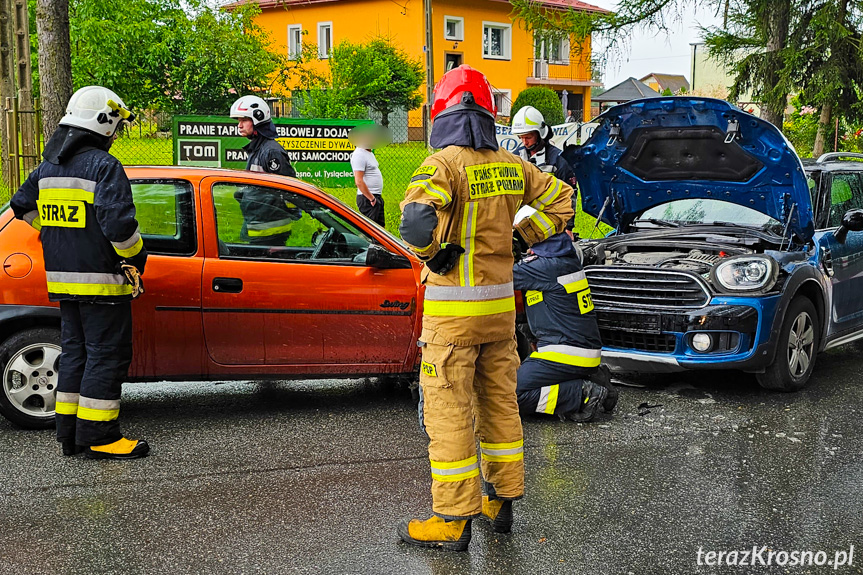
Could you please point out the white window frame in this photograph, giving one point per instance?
(459, 35)
(321, 54)
(542, 45)
(298, 51)
(506, 101)
(506, 40)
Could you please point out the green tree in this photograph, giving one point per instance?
(174, 55)
(761, 24)
(831, 66)
(376, 75)
(543, 99)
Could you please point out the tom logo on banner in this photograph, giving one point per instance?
(200, 152)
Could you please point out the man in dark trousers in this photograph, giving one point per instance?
(562, 377)
(81, 201)
(267, 218)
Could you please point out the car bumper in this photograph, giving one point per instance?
(661, 341)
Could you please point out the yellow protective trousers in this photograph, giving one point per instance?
(469, 394)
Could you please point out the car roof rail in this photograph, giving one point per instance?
(833, 156)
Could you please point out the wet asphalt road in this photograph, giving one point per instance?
(311, 477)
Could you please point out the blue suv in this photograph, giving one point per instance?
(727, 252)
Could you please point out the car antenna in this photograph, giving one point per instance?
(787, 225)
(599, 216)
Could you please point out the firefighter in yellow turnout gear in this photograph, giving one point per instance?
(457, 217)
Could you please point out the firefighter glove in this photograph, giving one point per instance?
(446, 259)
(133, 276)
(519, 246)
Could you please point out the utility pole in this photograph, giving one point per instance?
(427, 8)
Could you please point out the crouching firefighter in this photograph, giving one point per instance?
(562, 377)
(81, 200)
(457, 217)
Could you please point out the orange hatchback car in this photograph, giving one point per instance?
(340, 297)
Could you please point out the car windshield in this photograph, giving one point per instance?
(705, 211)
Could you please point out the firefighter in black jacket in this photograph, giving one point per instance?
(81, 201)
(562, 376)
(267, 217)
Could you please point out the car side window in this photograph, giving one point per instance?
(165, 211)
(846, 193)
(260, 222)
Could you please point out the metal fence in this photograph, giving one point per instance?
(150, 142)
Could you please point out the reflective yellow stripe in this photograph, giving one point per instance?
(468, 308)
(133, 251)
(510, 445)
(91, 414)
(547, 197)
(89, 289)
(449, 471)
(468, 242)
(269, 231)
(37, 224)
(433, 190)
(544, 222)
(503, 458)
(66, 194)
(64, 408)
(548, 399)
(458, 477)
(453, 464)
(558, 357)
(503, 452)
(580, 285)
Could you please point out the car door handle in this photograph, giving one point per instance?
(227, 285)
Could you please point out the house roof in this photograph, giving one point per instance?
(565, 4)
(673, 82)
(629, 89)
(559, 4)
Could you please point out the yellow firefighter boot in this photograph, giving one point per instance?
(120, 449)
(499, 512)
(436, 533)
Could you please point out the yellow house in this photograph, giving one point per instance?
(479, 33)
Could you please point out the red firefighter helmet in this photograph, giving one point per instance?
(463, 89)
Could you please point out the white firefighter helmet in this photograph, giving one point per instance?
(251, 107)
(529, 119)
(98, 110)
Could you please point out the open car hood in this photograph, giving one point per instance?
(651, 151)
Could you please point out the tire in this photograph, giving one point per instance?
(795, 356)
(29, 365)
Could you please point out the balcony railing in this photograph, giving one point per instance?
(560, 70)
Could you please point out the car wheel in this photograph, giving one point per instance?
(29, 363)
(795, 350)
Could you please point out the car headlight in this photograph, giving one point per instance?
(746, 273)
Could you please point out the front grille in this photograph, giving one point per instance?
(645, 288)
(640, 341)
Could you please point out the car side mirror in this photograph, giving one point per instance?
(852, 221)
(381, 258)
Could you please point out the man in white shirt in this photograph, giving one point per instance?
(367, 175)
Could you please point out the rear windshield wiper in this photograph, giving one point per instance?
(657, 222)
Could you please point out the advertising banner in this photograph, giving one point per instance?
(564, 134)
(318, 149)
